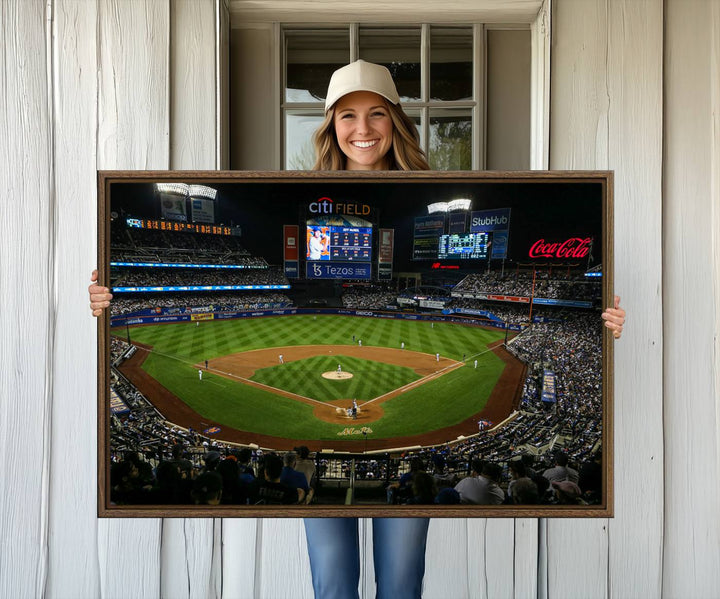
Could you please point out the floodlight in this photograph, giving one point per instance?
(180, 189)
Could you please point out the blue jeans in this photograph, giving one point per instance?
(398, 551)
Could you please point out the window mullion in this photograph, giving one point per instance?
(425, 86)
(354, 41)
(479, 85)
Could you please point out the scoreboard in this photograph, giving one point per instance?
(465, 246)
(339, 243)
(348, 244)
(167, 225)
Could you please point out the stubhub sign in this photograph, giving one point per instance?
(490, 220)
(337, 270)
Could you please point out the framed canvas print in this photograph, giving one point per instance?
(355, 344)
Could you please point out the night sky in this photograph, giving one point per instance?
(554, 211)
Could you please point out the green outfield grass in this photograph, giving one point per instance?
(442, 402)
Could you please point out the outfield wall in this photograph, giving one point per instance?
(461, 317)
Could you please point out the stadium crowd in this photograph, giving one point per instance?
(152, 277)
(189, 302)
(147, 245)
(556, 285)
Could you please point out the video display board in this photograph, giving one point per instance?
(339, 243)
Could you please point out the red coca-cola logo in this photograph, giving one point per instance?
(575, 247)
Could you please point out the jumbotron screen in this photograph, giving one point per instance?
(339, 243)
(465, 246)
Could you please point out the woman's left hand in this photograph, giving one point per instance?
(615, 318)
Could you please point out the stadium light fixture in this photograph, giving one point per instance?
(202, 191)
(437, 207)
(180, 189)
(459, 204)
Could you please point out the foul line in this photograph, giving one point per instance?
(275, 390)
(427, 378)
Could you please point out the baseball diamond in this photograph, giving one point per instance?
(405, 396)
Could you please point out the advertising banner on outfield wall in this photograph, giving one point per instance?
(205, 316)
(385, 254)
(291, 256)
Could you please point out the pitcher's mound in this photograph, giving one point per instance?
(336, 376)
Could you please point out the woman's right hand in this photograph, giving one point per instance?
(99, 296)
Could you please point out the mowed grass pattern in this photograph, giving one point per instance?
(369, 380)
(439, 403)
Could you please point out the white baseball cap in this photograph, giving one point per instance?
(361, 76)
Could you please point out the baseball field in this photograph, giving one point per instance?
(284, 380)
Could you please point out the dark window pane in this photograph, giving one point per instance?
(311, 58)
(399, 51)
(451, 63)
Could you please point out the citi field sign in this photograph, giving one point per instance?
(328, 206)
(574, 247)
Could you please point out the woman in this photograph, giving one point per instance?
(365, 129)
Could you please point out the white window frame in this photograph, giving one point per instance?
(539, 22)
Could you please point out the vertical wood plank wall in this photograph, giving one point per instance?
(606, 112)
(27, 319)
(73, 549)
(116, 84)
(691, 327)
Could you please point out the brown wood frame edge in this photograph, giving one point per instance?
(604, 510)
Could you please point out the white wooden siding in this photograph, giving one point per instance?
(691, 326)
(97, 84)
(606, 112)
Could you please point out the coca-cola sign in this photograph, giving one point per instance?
(574, 247)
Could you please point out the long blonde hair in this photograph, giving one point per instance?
(405, 154)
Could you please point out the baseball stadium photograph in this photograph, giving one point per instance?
(333, 341)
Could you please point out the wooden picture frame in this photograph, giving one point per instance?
(473, 347)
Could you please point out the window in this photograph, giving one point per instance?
(438, 71)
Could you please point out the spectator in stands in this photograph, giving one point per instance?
(400, 491)
(528, 461)
(245, 469)
(567, 492)
(525, 492)
(424, 489)
(207, 489)
(305, 465)
(212, 459)
(234, 490)
(292, 478)
(590, 478)
(481, 487)
(561, 471)
(269, 490)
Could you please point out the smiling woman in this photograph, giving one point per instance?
(365, 128)
(364, 131)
